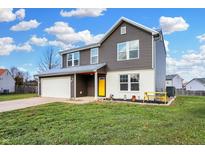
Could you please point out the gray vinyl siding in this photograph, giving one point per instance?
(72, 86)
(108, 50)
(85, 57)
(64, 60)
(160, 67)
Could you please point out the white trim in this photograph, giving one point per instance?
(96, 85)
(154, 60)
(80, 48)
(39, 86)
(74, 85)
(152, 52)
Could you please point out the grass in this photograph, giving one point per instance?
(8, 97)
(107, 123)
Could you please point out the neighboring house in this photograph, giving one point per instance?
(174, 80)
(129, 60)
(196, 84)
(7, 82)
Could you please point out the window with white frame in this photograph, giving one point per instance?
(73, 59)
(94, 55)
(129, 82)
(128, 50)
(123, 30)
(124, 82)
(134, 82)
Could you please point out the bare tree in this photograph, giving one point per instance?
(15, 72)
(19, 76)
(49, 60)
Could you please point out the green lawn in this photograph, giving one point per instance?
(107, 123)
(7, 97)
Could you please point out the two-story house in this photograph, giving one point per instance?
(129, 60)
(7, 82)
(174, 80)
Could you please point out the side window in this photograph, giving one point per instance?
(73, 59)
(124, 82)
(94, 54)
(121, 51)
(76, 58)
(134, 49)
(123, 30)
(134, 81)
(69, 59)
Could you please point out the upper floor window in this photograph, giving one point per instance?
(128, 50)
(73, 59)
(94, 55)
(123, 30)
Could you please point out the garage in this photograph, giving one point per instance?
(59, 87)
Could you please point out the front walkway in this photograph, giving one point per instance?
(24, 103)
(81, 100)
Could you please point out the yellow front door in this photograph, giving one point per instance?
(101, 87)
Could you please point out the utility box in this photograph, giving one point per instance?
(170, 91)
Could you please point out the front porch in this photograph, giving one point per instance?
(90, 84)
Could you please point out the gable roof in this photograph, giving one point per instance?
(2, 71)
(123, 19)
(200, 80)
(170, 77)
(109, 32)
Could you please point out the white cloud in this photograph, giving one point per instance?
(7, 14)
(67, 34)
(42, 41)
(201, 38)
(170, 25)
(22, 69)
(190, 65)
(2, 67)
(61, 45)
(24, 47)
(166, 43)
(20, 14)
(38, 40)
(7, 46)
(25, 25)
(83, 12)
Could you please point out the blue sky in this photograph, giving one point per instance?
(27, 33)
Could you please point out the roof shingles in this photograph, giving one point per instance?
(2, 71)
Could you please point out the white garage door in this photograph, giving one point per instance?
(58, 87)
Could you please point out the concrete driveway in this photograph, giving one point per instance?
(24, 103)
